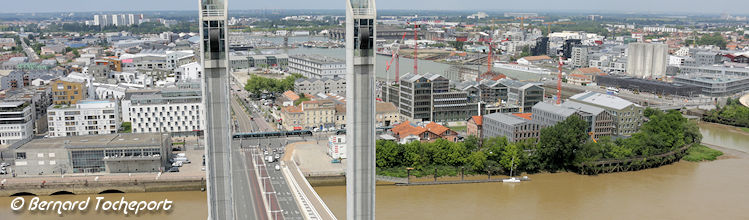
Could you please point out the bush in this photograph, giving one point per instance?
(699, 153)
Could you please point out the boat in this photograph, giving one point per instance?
(511, 180)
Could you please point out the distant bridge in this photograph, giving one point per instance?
(272, 134)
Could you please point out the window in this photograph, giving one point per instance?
(20, 155)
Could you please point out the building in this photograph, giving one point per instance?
(110, 153)
(317, 66)
(323, 85)
(426, 132)
(68, 91)
(649, 86)
(583, 76)
(532, 60)
(20, 79)
(86, 117)
(191, 72)
(52, 49)
(716, 70)
(17, 121)
(428, 98)
(580, 57)
(568, 45)
(514, 127)
(601, 122)
(7, 43)
(386, 114)
(40, 97)
(309, 114)
(523, 94)
(547, 115)
(474, 127)
(174, 110)
(715, 85)
(628, 117)
(542, 46)
(176, 59)
(647, 60)
(240, 61)
(337, 146)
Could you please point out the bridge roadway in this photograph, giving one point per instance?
(250, 204)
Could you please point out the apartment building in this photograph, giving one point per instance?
(317, 66)
(174, 110)
(514, 127)
(16, 121)
(323, 85)
(68, 91)
(86, 117)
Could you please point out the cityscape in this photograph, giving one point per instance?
(357, 110)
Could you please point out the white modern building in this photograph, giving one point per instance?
(317, 66)
(189, 72)
(167, 110)
(87, 117)
(16, 121)
(647, 60)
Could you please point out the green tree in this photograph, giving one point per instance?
(511, 156)
(471, 143)
(714, 39)
(476, 161)
(558, 143)
(389, 154)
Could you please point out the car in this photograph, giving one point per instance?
(177, 164)
(265, 152)
(277, 167)
(173, 169)
(277, 156)
(270, 159)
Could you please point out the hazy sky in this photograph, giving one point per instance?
(642, 6)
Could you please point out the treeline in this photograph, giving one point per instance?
(143, 28)
(565, 146)
(734, 113)
(257, 84)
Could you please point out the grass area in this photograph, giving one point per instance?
(427, 171)
(300, 100)
(699, 153)
(458, 128)
(127, 127)
(745, 129)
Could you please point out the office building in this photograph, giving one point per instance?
(110, 153)
(715, 85)
(17, 121)
(523, 94)
(628, 117)
(601, 122)
(317, 66)
(428, 98)
(309, 115)
(568, 45)
(86, 117)
(242, 61)
(19, 79)
(512, 126)
(647, 60)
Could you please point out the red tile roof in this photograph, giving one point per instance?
(589, 70)
(291, 95)
(436, 128)
(524, 115)
(478, 119)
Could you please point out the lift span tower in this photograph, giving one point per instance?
(360, 109)
(214, 57)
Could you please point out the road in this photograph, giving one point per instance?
(282, 203)
(30, 53)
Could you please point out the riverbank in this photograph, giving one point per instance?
(121, 183)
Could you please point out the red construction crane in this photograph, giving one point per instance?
(395, 51)
(416, 49)
(559, 82)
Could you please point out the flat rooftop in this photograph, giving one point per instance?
(97, 141)
(320, 59)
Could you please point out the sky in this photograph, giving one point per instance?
(626, 6)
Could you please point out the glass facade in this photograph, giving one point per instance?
(87, 161)
(214, 40)
(364, 37)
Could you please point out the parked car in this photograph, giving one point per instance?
(277, 167)
(277, 156)
(173, 169)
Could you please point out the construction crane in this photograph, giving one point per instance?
(416, 49)
(548, 26)
(395, 51)
(559, 81)
(522, 22)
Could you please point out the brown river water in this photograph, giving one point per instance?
(684, 190)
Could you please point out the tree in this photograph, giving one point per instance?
(471, 143)
(510, 156)
(714, 39)
(476, 161)
(389, 154)
(558, 143)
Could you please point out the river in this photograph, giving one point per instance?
(684, 190)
